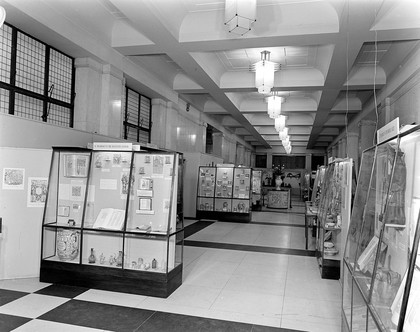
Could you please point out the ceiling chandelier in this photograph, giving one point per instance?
(284, 133)
(240, 15)
(264, 73)
(2, 16)
(274, 106)
(280, 123)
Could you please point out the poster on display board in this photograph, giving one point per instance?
(37, 192)
(13, 178)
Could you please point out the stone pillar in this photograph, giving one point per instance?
(367, 134)
(240, 154)
(158, 136)
(308, 162)
(334, 151)
(218, 142)
(111, 120)
(269, 160)
(88, 88)
(247, 158)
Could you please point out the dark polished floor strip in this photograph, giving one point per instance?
(274, 224)
(196, 227)
(243, 247)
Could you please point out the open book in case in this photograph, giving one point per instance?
(111, 221)
(381, 281)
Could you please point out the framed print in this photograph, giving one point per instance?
(145, 204)
(76, 165)
(145, 184)
(37, 192)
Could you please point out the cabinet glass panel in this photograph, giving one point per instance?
(61, 244)
(67, 188)
(240, 206)
(205, 204)
(242, 183)
(107, 190)
(256, 182)
(207, 180)
(347, 295)
(412, 315)
(360, 197)
(152, 204)
(223, 205)
(224, 182)
(371, 325)
(399, 220)
(359, 314)
(374, 209)
(103, 249)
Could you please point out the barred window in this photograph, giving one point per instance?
(137, 117)
(36, 80)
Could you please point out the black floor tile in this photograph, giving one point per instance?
(244, 247)
(196, 227)
(7, 296)
(168, 322)
(98, 315)
(62, 291)
(9, 323)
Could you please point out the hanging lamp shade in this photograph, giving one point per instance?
(274, 106)
(286, 141)
(280, 123)
(284, 133)
(288, 149)
(2, 16)
(240, 15)
(264, 73)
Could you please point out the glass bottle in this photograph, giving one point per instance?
(92, 257)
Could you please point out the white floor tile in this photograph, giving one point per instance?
(249, 303)
(23, 285)
(46, 326)
(309, 326)
(32, 305)
(187, 295)
(212, 279)
(256, 284)
(115, 298)
(312, 311)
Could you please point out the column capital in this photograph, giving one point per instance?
(88, 63)
(113, 71)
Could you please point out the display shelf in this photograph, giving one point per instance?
(111, 221)
(382, 245)
(224, 193)
(334, 217)
(256, 186)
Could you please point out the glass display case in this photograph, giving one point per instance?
(111, 221)
(381, 259)
(334, 217)
(224, 193)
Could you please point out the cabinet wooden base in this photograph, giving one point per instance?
(112, 279)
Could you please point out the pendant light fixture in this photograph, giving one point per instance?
(264, 73)
(240, 15)
(280, 123)
(2, 16)
(284, 133)
(274, 106)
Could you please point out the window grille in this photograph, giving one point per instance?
(137, 121)
(36, 80)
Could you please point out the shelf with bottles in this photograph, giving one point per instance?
(382, 246)
(121, 209)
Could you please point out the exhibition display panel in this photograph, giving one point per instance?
(334, 217)
(224, 193)
(111, 221)
(381, 283)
